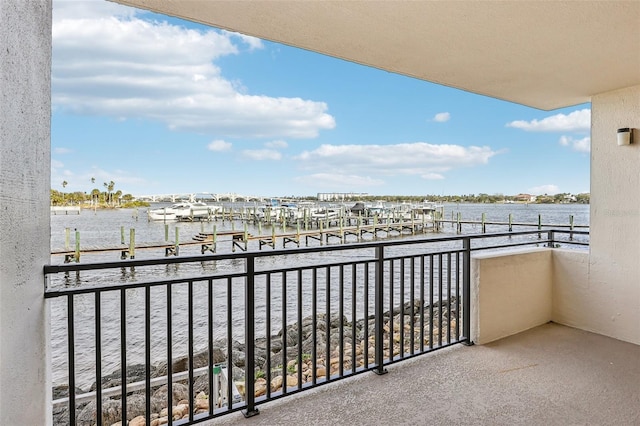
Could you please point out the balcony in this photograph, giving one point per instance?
(378, 306)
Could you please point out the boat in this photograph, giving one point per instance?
(377, 209)
(183, 211)
(427, 209)
(326, 213)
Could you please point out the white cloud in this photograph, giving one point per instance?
(219, 146)
(580, 145)
(338, 181)
(441, 117)
(262, 154)
(577, 121)
(432, 176)
(408, 159)
(107, 61)
(544, 189)
(253, 42)
(61, 150)
(90, 10)
(279, 144)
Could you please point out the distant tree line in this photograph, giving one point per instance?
(96, 198)
(562, 198)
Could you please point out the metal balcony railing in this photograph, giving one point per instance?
(229, 332)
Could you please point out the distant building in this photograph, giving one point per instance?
(340, 196)
(525, 198)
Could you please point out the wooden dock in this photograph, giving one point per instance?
(59, 210)
(457, 222)
(241, 240)
(126, 251)
(327, 231)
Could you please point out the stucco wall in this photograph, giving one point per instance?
(573, 304)
(25, 68)
(510, 292)
(614, 264)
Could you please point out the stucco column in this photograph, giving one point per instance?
(612, 297)
(25, 110)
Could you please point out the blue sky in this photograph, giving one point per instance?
(159, 106)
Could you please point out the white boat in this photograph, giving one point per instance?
(183, 211)
(325, 213)
(267, 212)
(427, 209)
(377, 209)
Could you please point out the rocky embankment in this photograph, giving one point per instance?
(283, 367)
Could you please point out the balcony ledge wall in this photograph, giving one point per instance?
(514, 292)
(510, 293)
(573, 303)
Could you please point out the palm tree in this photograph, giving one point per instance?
(109, 187)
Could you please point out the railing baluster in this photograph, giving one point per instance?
(341, 323)
(169, 354)
(71, 359)
(466, 282)
(402, 271)
(354, 337)
(98, 328)
(147, 353)
(123, 352)
(299, 329)
(250, 352)
(422, 303)
(327, 319)
(412, 296)
(229, 344)
(391, 328)
(448, 297)
(190, 346)
(379, 311)
(285, 333)
(213, 399)
(314, 330)
(366, 316)
(431, 289)
(440, 299)
(458, 296)
(268, 327)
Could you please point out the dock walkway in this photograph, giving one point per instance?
(241, 239)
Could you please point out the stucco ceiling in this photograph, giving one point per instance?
(544, 54)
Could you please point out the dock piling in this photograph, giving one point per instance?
(132, 243)
(77, 254)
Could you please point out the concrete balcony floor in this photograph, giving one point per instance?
(550, 375)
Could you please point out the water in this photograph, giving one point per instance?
(103, 228)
